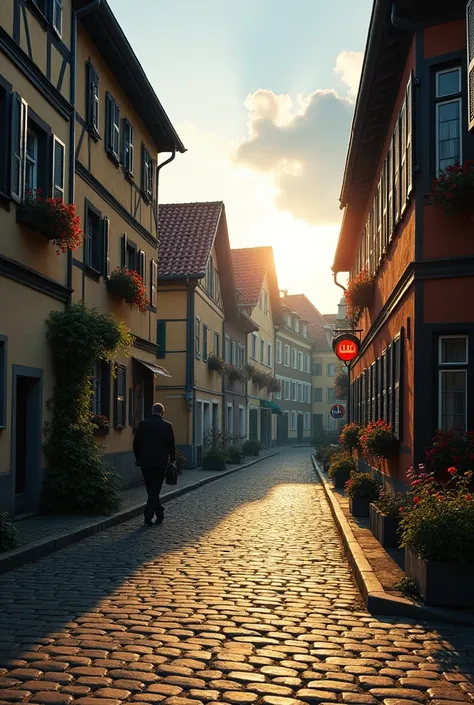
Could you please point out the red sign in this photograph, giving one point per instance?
(337, 411)
(346, 347)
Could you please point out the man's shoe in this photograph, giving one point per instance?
(159, 519)
(148, 522)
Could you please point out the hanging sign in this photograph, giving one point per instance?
(337, 411)
(346, 346)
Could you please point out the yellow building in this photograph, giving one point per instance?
(259, 297)
(196, 292)
(87, 128)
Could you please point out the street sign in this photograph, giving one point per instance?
(346, 347)
(337, 411)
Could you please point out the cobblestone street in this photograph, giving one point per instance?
(243, 595)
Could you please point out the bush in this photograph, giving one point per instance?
(350, 437)
(451, 448)
(453, 191)
(362, 485)
(181, 461)
(251, 447)
(8, 533)
(327, 453)
(341, 466)
(215, 445)
(377, 440)
(235, 453)
(391, 504)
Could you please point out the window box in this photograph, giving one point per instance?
(359, 294)
(129, 286)
(35, 221)
(442, 584)
(53, 219)
(384, 528)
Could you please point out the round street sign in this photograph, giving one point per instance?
(337, 411)
(346, 346)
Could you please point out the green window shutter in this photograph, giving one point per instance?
(161, 338)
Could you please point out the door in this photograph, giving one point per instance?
(27, 438)
(230, 422)
(299, 427)
(282, 429)
(253, 425)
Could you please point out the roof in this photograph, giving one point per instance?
(330, 317)
(250, 265)
(106, 33)
(316, 322)
(186, 234)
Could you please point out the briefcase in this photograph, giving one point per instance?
(171, 474)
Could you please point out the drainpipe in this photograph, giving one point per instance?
(334, 275)
(158, 169)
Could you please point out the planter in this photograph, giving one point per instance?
(442, 584)
(35, 222)
(340, 479)
(235, 461)
(101, 431)
(211, 463)
(384, 528)
(359, 507)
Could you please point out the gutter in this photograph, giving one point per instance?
(334, 276)
(182, 277)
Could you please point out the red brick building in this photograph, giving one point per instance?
(416, 362)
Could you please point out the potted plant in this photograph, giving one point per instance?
(362, 489)
(101, 424)
(451, 448)
(235, 452)
(53, 219)
(341, 466)
(215, 452)
(350, 437)
(251, 447)
(216, 364)
(438, 537)
(385, 516)
(377, 440)
(260, 378)
(341, 384)
(453, 191)
(359, 294)
(128, 285)
(326, 453)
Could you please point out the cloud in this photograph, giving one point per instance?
(303, 146)
(349, 68)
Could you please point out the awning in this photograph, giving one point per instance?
(274, 408)
(156, 369)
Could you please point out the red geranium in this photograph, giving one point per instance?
(128, 285)
(59, 220)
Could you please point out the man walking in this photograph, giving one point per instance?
(154, 447)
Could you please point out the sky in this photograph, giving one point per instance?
(262, 94)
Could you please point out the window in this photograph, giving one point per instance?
(93, 100)
(148, 169)
(294, 359)
(93, 240)
(127, 147)
(331, 395)
(331, 369)
(331, 423)
(254, 345)
(293, 421)
(3, 381)
(197, 333)
(318, 394)
(307, 421)
(161, 338)
(100, 389)
(296, 325)
(448, 107)
(278, 395)
(57, 18)
(318, 369)
(205, 332)
(242, 432)
(217, 343)
(269, 355)
(294, 391)
(153, 282)
(286, 389)
(307, 364)
(300, 361)
(233, 356)
(300, 392)
(278, 352)
(227, 349)
(31, 166)
(112, 127)
(230, 420)
(262, 351)
(452, 360)
(287, 355)
(120, 396)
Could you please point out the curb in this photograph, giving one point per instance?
(377, 600)
(33, 551)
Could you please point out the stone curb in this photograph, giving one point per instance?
(376, 599)
(38, 549)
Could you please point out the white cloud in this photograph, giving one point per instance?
(349, 68)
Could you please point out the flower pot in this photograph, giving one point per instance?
(359, 507)
(442, 584)
(101, 431)
(211, 463)
(363, 297)
(340, 479)
(35, 222)
(384, 528)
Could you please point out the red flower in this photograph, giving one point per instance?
(468, 497)
(452, 471)
(416, 500)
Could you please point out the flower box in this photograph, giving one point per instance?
(53, 219)
(101, 431)
(441, 584)
(384, 528)
(36, 222)
(128, 285)
(211, 463)
(359, 507)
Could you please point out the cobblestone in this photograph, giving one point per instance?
(243, 596)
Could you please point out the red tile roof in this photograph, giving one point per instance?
(330, 317)
(186, 235)
(250, 265)
(303, 306)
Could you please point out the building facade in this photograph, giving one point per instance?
(67, 78)
(293, 370)
(414, 368)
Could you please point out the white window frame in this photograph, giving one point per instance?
(333, 365)
(233, 357)
(294, 391)
(300, 391)
(254, 350)
(278, 395)
(457, 367)
(287, 356)
(269, 355)
(294, 359)
(262, 351)
(227, 352)
(307, 421)
(307, 363)
(287, 389)
(293, 421)
(278, 351)
(300, 361)
(242, 426)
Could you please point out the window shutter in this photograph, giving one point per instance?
(124, 250)
(151, 178)
(105, 388)
(374, 391)
(384, 206)
(58, 16)
(396, 171)
(115, 129)
(369, 394)
(384, 385)
(470, 59)
(403, 158)
(153, 282)
(390, 194)
(58, 168)
(93, 97)
(108, 122)
(141, 264)
(19, 122)
(378, 391)
(120, 397)
(161, 339)
(389, 385)
(409, 128)
(106, 243)
(397, 387)
(130, 151)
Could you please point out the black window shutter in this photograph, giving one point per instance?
(124, 250)
(470, 59)
(398, 387)
(389, 384)
(108, 122)
(106, 246)
(105, 389)
(151, 178)
(58, 168)
(19, 120)
(409, 145)
(384, 386)
(161, 338)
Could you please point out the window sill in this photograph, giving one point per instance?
(198, 356)
(128, 176)
(92, 273)
(113, 158)
(94, 134)
(145, 197)
(119, 428)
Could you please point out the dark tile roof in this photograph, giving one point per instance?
(316, 322)
(186, 235)
(250, 265)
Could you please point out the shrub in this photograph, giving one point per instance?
(235, 374)
(58, 219)
(327, 453)
(181, 461)
(453, 191)
(235, 453)
(274, 384)
(8, 533)
(451, 448)
(341, 466)
(350, 437)
(215, 445)
(377, 440)
(362, 485)
(129, 286)
(358, 294)
(78, 480)
(391, 504)
(251, 447)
